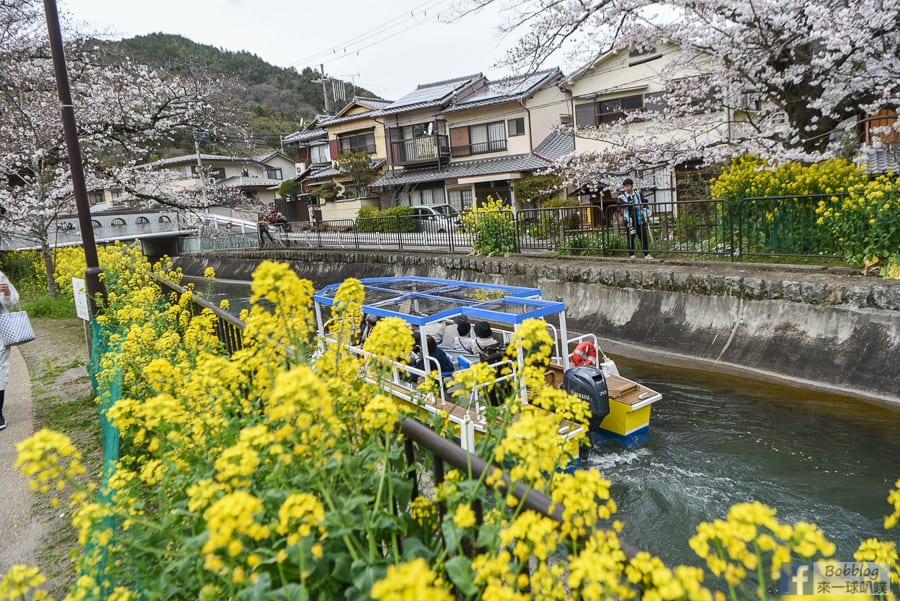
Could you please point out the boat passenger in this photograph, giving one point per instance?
(443, 358)
(463, 340)
(366, 328)
(484, 337)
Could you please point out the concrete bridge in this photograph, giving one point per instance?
(158, 231)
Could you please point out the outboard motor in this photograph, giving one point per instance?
(589, 384)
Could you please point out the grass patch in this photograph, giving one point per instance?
(49, 306)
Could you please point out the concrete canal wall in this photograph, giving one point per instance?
(827, 329)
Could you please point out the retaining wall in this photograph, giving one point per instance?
(829, 329)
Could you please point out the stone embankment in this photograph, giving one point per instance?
(828, 329)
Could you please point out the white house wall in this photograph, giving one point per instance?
(547, 108)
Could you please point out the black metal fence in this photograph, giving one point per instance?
(750, 229)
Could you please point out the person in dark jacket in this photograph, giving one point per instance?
(436, 352)
(636, 213)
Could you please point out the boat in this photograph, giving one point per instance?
(620, 407)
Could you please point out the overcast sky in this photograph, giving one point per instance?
(386, 47)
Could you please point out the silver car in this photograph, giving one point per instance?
(438, 219)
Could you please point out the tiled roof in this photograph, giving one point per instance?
(557, 144)
(375, 103)
(306, 135)
(236, 181)
(337, 120)
(504, 164)
(430, 94)
(330, 171)
(192, 158)
(507, 89)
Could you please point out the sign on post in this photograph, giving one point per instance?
(81, 299)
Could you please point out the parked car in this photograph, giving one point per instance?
(438, 219)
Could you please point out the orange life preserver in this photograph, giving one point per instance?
(585, 354)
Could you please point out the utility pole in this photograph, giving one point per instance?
(323, 80)
(93, 282)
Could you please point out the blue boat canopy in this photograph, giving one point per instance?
(421, 300)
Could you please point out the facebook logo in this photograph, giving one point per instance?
(797, 578)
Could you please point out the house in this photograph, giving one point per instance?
(256, 178)
(461, 140)
(603, 92)
(355, 128)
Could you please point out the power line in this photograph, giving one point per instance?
(351, 46)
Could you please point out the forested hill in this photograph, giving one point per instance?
(273, 99)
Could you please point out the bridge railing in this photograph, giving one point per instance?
(443, 451)
(782, 226)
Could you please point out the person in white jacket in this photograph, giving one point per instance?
(9, 297)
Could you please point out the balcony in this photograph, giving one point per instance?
(478, 148)
(424, 149)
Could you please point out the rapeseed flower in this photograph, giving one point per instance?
(411, 581)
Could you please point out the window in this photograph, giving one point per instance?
(357, 143)
(489, 137)
(319, 154)
(460, 199)
(424, 196)
(273, 173)
(95, 197)
(614, 110)
(591, 114)
(516, 127)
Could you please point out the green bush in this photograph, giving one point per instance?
(395, 219)
(547, 224)
(45, 305)
(493, 228)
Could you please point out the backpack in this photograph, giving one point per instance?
(491, 353)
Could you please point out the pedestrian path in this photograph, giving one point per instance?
(18, 532)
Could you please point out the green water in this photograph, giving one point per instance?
(716, 441)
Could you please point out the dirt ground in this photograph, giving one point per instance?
(49, 388)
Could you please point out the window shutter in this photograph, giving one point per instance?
(335, 147)
(459, 142)
(585, 115)
(303, 154)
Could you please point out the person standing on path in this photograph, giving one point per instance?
(9, 298)
(262, 224)
(636, 213)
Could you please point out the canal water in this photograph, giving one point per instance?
(716, 441)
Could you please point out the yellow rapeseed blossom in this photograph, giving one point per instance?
(464, 517)
(584, 496)
(22, 582)
(299, 516)
(411, 581)
(232, 516)
(380, 414)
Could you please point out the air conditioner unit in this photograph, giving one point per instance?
(301, 167)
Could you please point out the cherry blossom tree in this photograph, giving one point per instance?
(123, 111)
(812, 70)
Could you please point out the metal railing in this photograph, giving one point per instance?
(421, 149)
(752, 228)
(229, 330)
